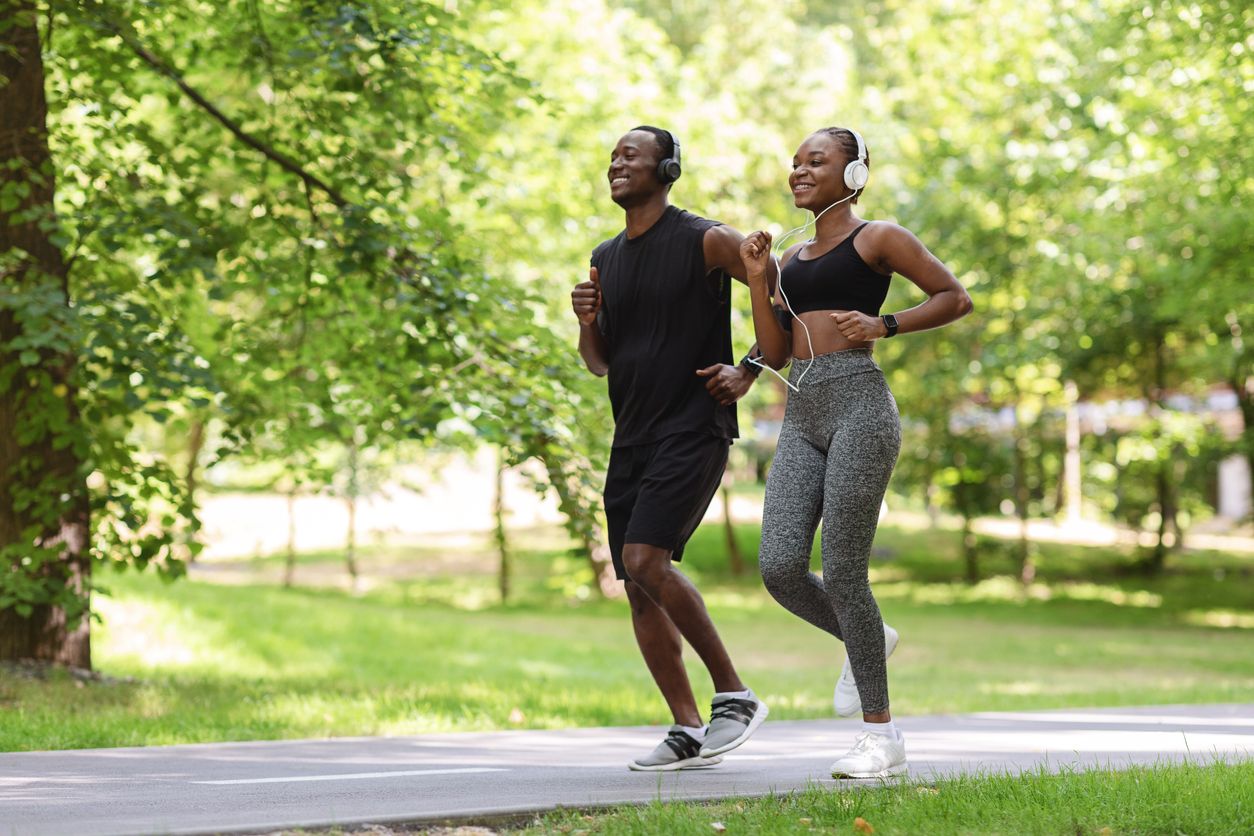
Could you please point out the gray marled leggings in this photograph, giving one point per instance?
(836, 451)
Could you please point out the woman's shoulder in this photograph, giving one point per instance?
(878, 241)
(884, 232)
(791, 253)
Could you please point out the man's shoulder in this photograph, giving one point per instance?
(694, 221)
(600, 249)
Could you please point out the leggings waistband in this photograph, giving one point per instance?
(832, 366)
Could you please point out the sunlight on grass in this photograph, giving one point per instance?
(154, 634)
(333, 712)
(147, 632)
(1200, 797)
(539, 668)
(476, 599)
(1108, 594)
(736, 600)
(1224, 619)
(1010, 590)
(1018, 689)
(429, 652)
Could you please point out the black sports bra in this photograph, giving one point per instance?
(838, 280)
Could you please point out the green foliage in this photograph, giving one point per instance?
(258, 209)
(975, 469)
(1178, 444)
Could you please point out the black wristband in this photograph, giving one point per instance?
(750, 366)
(890, 322)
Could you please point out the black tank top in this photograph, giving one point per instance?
(663, 318)
(838, 280)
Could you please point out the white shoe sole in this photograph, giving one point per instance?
(890, 644)
(690, 763)
(758, 716)
(890, 772)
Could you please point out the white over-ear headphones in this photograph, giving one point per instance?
(857, 173)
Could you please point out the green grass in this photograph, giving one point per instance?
(1181, 799)
(429, 650)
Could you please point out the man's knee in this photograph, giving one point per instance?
(646, 565)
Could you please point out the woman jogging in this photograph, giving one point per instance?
(841, 433)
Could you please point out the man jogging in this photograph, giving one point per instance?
(655, 315)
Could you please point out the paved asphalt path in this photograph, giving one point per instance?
(232, 787)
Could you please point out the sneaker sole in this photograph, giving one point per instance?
(758, 717)
(891, 772)
(856, 710)
(690, 763)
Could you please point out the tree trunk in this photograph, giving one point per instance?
(1245, 402)
(33, 381)
(970, 554)
(1027, 569)
(350, 542)
(1158, 557)
(289, 567)
(939, 438)
(195, 444)
(1239, 374)
(1162, 479)
(350, 499)
(498, 516)
(1072, 482)
(735, 557)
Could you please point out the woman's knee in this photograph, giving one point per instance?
(781, 574)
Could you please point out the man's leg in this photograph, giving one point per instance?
(662, 649)
(675, 491)
(681, 607)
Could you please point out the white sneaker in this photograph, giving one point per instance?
(845, 699)
(872, 756)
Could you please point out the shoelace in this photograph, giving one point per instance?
(863, 743)
(681, 744)
(734, 709)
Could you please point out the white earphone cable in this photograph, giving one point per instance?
(779, 285)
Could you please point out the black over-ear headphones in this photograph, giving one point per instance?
(668, 170)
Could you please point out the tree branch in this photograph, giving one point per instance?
(284, 161)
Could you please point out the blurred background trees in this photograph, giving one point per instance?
(308, 236)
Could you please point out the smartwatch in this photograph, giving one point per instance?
(890, 322)
(750, 366)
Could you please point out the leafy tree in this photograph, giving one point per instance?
(253, 233)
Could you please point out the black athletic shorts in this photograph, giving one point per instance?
(656, 494)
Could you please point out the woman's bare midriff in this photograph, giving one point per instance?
(824, 334)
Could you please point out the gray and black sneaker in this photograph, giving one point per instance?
(678, 751)
(732, 720)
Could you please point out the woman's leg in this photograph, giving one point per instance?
(794, 497)
(860, 461)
